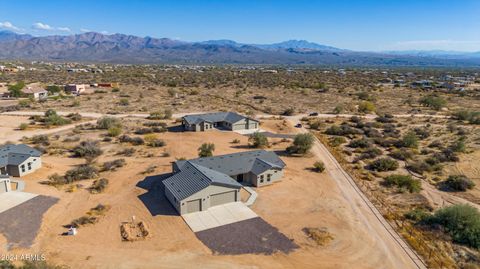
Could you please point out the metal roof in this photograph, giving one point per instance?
(230, 117)
(194, 178)
(256, 161)
(11, 154)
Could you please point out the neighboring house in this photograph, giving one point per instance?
(35, 92)
(5, 185)
(76, 89)
(19, 160)
(109, 85)
(201, 183)
(222, 120)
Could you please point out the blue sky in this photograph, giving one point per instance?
(357, 25)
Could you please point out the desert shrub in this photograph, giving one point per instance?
(360, 143)
(87, 149)
(114, 131)
(409, 140)
(127, 152)
(98, 186)
(403, 182)
(316, 124)
(385, 118)
(421, 133)
(75, 116)
(113, 165)
(371, 132)
(289, 112)
(40, 140)
(338, 109)
(144, 131)
(447, 155)
(23, 126)
(124, 102)
(319, 166)
(342, 130)
(337, 141)
(401, 154)
(136, 141)
(161, 115)
(433, 101)
(155, 124)
(473, 117)
(258, 140)
(383, 164)
(24, 103)
(419, 167)
(235, 141)
(157, 143)
(458, 146)
(370, 153)
(417, 215)
(366, 107)
(108, 122)
(52, 118)
(206, 150)
(458, 183)
(80, 173)
(302, 143)
(461, 222)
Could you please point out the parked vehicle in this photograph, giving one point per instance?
(313, 114)
(298, 125)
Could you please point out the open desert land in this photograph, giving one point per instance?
(303, 199)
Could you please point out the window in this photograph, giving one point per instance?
(261, 180)
(269, 177)
(261, 177)
(23, 168)
(29, 166)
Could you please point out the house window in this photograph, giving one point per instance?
(29, 166)
(261, 180)
(269, 177)
(261, 177)
(23, 168)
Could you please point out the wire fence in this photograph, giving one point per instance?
(423, 243)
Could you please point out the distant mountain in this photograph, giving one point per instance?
(120, 48)
(298, 44)
(437, 54)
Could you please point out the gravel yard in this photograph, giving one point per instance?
(252, 236)
(20, 224)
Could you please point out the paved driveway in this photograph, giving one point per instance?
(218, 216)
(12, 199)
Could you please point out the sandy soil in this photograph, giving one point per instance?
(302, 199)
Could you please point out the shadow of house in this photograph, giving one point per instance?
(176, 129)
(154, 199)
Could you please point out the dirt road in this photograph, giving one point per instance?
(395, 249)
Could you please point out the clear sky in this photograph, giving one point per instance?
(357, 25)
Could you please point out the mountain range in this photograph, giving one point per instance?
(120, 48)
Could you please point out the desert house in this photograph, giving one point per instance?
(109, 85)
(76, 89)
(5, 185)
(19, 160)
(201, 183)
(221, 120)
(35, 92)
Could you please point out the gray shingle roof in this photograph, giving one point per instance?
(229, 117)
(194, 178)
(256, 161)
(11, 154)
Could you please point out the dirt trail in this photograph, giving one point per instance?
(395, 249)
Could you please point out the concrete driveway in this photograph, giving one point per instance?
(218, 216)
(12, 199)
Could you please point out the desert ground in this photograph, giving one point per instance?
(308, 199)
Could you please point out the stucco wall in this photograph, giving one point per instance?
(16, 171)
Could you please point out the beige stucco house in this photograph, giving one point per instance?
(220, 120)
(19, 160)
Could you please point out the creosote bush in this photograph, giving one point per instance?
(302, 143)
(258, 140)
(383, 165)
(404, 182)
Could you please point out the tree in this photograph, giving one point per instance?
(258, 140)
(206, 150)
(319, 166)
(53, 89)
(16, 89)
(435, 102)
(302, 143)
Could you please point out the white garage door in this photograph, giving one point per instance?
(223, 198)
(194, 206)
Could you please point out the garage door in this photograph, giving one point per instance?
(223, 198)
(194, 206)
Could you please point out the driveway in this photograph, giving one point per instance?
(218, 216)
(14, 198)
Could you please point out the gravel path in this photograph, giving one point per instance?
(20, 224)
(252, 236)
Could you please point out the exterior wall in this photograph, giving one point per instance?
(252, 124)
(275, 175)
(3, 170)
(17, 171)
(176, 204)
(204, 195)
(5, 185)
